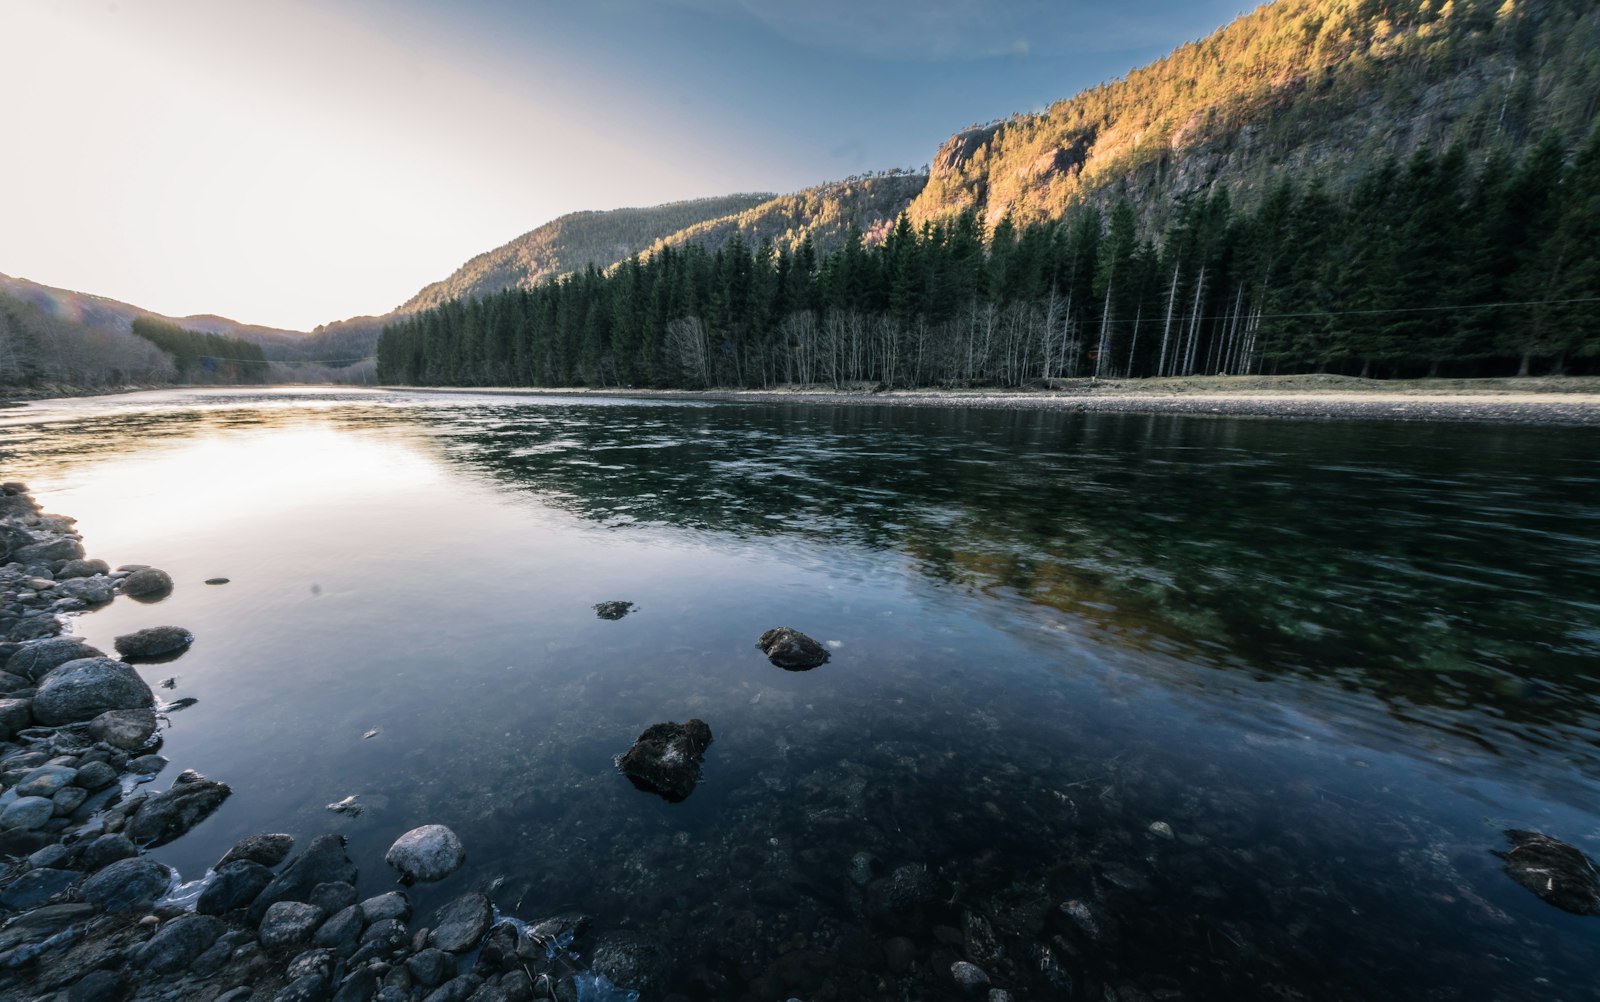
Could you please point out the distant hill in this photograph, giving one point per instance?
(1305, 87)
(823, 214)
(571, 243)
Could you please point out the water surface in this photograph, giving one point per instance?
(1329, 662)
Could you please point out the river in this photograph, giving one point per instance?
(1221, 707)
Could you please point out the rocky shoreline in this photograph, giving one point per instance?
(1575, 403)
(86, 915)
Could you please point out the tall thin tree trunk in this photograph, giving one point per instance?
(1166, 330)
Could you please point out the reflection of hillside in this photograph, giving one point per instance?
(1434, 567)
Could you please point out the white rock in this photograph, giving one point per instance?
(431, 852)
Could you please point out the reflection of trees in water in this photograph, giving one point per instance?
(1371, 557)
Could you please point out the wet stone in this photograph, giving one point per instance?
(310, 988)
(459, 925)
(45, 781)
(69, 800)
(147, 584)
(84, 689)
(50, 856)
(613, 610)
(268, 850)
(1558, 873)
(314, 961)
(344, 926)
(431, 967)
(178, 943)
(105, 850)
(333, 896)
(15, 715)
(287, 923)
(99, 986)
(428, 853)
(791, 650)
(323, 860)
(393, 905)
(969, 976)
(28, 813)
(385, 933)
(35, 660)
(154, 642)
(165, 816)
(94, 776)
(36, 887)
(666, 758)
(127, 885)
(235, 885)
(129, 730)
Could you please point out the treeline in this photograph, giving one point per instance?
(202, 357)
(40, 349)
(1431, 266)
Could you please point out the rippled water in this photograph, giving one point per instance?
(1227, 708)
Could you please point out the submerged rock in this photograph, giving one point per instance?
(147, 584)
(154, 642)
(85, 688)
(129, 730)
(613, 610)
(431, 852)
(1559, 873)
(268, 850)
(165, 816)
(791, 650)
(666, 758)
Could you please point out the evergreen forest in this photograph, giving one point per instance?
(1440, 264)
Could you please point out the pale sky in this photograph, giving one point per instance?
(290, 163)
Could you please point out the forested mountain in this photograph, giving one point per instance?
(58, 338)
(1302, 86)
(571, 243)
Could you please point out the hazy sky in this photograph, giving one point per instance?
(290, 163)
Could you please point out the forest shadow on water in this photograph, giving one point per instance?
(1118, 706)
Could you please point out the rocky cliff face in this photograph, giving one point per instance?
(1300, 86)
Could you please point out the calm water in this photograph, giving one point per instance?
(1334, 660)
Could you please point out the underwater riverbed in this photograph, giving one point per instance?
(1118, 705)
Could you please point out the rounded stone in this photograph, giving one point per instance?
(36, 659)
(289, 922)
(27, 813)
(127, 885)
(431, 852)
(154, 642)
(147, 584)
(95, 776)
(129, 730)
(85, 688)
(46, 780)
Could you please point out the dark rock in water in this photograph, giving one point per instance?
(460, 924)
(129, 730)
(235, 885)
(629, 960)
(99, 986)
(165, 816)
(127, 885)
(147, 585)
(154, 642)
(36, 887)
(666, 758)
(94, 776)
(343, 927)
(791, 650)
(33, 660)
(358, 986)
(217, 581)
(85, 688)
(45, 781)
(333, 896)
(323, 860)
(387, 933)
(105, 850)
(268, 850)
(431, 852)
(613, 610)
(177, 943)
(969, 976)
(1559, 873)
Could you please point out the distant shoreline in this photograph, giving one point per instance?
(1556, 401)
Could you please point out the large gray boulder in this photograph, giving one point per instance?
(34, 660)
(127, 885)
(459, 925)
(85, 688)
(129, 730)
(324, 860)
(431, 852)
(165, 816)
